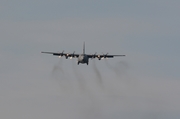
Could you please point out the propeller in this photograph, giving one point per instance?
(72, 55)
(67, 55)
(105, 56)
(99, 57)
(94, 55)
(61, 54)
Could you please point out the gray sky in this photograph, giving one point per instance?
(144, 84)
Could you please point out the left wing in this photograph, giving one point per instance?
(71, 55)
(103, 56)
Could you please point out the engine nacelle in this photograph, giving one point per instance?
(105, 56)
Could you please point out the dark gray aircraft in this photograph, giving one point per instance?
(82, 58)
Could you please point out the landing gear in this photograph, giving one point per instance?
(87, 63)
(77, 63)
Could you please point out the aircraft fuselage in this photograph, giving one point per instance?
(83, 58)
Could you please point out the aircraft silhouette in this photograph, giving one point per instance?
(82, 58)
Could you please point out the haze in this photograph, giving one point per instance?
(144, 84)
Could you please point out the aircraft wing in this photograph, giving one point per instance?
(111, 56)
(104, 56)
(71, 55)
(58, 54)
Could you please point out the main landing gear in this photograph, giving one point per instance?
(79, 62)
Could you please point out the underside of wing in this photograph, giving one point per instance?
(103, 56)
(114, 55)
(71, 55)
(58, 54)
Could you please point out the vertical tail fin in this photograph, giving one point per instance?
(84, 48)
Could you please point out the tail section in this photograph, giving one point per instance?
(84, 48)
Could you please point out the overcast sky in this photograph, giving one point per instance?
(144, 84)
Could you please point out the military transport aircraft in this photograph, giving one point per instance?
(82, 58)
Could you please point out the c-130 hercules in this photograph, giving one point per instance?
(82, 58)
